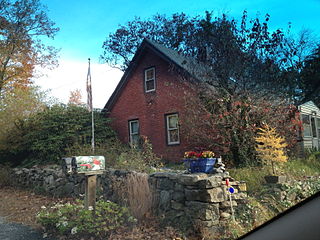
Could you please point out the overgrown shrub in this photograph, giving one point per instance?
(228, 125)
(140, 159)
(45, 136)
(73, 221)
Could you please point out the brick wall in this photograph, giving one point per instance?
(150, 108)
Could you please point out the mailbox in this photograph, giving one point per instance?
(83, 164)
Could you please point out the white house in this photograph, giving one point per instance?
(310, 116)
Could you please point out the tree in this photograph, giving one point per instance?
(229, 126)
(249, 78)
(310, 78)
(18, 105)
(242, 55)
(173, 32)
(75, 97)
(22, 25)
(270, 147)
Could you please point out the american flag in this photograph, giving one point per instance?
(89, 89)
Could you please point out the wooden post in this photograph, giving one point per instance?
(90, 191)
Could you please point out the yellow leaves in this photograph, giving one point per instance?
(270, 146)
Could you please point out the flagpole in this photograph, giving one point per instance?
(89, 103)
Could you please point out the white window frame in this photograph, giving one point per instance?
(168, 129)
(151, 79)
(131, 134)
(304, 125)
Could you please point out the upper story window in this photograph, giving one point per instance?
(134, 132)
(172, 127)
(150, 79)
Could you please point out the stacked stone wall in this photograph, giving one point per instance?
(183, 199)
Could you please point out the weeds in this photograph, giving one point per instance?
(74, 221)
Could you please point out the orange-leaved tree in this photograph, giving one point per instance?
(270, 146)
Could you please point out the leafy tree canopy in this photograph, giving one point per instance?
(22, 25)
(310, 77)
(243, 55)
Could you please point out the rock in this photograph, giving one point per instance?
(207, 195)
(226, 204)
(164, 200)
(178, 196)
(165, 183)
(203, 211)
(49, 180)
(225, 215)
(176, 205)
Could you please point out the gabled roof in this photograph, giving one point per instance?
(187, 64)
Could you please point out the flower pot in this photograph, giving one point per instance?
(275, 179)
(195, 165)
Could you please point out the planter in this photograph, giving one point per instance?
(275, 179)
(195, 165)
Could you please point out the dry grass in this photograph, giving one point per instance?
(140, 198)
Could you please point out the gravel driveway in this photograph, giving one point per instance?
(15, 231)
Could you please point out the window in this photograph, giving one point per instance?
(150, 79)
(172, 126)
(134, 132)
(313, 126)
(318, 126)
(306, 125)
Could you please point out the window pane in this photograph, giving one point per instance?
(306, 130)
(173, 136)
(305, 119)
(134, 127)
(150, 85)
(313, 125)
(149, 74)
(306, 125)
(173, 122)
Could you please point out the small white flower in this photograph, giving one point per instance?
(65, 223)
(74, 230)
(43, 207)
(90, 208)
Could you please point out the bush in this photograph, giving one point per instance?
(140, 159)
(73, 220)
(45, 136)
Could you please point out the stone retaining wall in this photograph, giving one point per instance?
(188, 199)
(202, 199)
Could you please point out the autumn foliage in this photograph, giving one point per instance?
(270, 146)
(228, 126)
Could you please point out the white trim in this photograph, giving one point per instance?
(131, 134)
(169, 142)
(151, 79)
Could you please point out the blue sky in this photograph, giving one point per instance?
(84, 25)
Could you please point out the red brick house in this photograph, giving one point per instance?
(150, 99)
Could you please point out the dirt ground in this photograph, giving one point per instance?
(22, 206)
